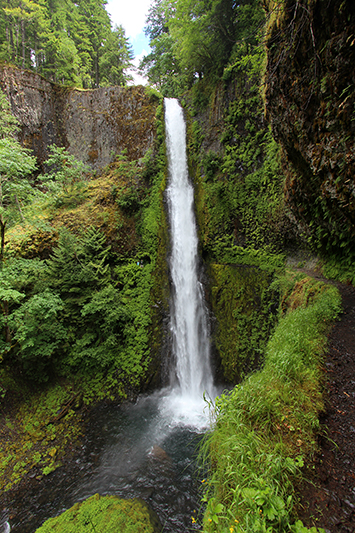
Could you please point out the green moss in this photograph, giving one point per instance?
(108, 514)
(153, 229)
(246, 313)
(40, 427)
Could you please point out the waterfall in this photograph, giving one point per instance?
(189, 324)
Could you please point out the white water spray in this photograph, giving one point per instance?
(189, 323)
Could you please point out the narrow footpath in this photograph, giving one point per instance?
(328, 498)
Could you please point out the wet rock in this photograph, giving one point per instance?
(104, 514)
(94, 126)
(158, 453)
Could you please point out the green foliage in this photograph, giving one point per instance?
(71, 317)
(161, 65)
(266, 426)
(129, 202)
(107, 514)
(8, 123)
(67, 42)
(338, 267)
(298, 527)
(246, 313)
(240, 198)
(244, 194)
(38, 332)
(208, 34)
(225, 251)
(16, 164)
(211, 163)
(115, 59)
(194, 40)
(88, 309)
(65, 169)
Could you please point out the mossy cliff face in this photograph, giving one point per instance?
(245, 310)
(95, 125)
(310, 99)
(238, 198)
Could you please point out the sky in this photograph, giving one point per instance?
(131, 14)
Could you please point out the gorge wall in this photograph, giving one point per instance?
(94, 125)
(310, 103)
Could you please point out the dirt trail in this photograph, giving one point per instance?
(328, 501)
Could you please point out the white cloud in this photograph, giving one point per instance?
(131, 14)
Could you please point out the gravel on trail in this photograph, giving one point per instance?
(328, 494)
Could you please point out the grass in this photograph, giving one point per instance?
(266, 427)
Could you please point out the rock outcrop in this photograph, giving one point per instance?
(310, 102)
(94, 125)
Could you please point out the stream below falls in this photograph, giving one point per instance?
(145, 450)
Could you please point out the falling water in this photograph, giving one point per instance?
(189, 323)
(147, 450)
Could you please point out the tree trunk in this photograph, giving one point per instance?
(19, 208)
(23, 43)
(2, 239)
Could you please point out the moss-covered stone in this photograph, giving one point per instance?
(246, 312)
(310, 99)
(104, 514)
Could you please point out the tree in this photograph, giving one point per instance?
(192, 39)
(66, 41)
(65, 169)
(39, 332)
(161, 66)
(116, 57)
(97, 24)
(8, 123)
(204, 35)
(15, 165)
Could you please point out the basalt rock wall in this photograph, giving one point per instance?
(310, 102)
(94, 125)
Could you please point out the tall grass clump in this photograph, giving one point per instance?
(266, 427)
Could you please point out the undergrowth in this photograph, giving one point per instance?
(266, 427)
(338, 269)
(80, 282)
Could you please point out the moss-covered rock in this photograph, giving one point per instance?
(310, 100)
(245, 310)
(104, 514)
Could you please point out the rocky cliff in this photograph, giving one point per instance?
(93, 125)
(310, 102)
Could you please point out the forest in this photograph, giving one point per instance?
(268, 92)
(73, 43)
